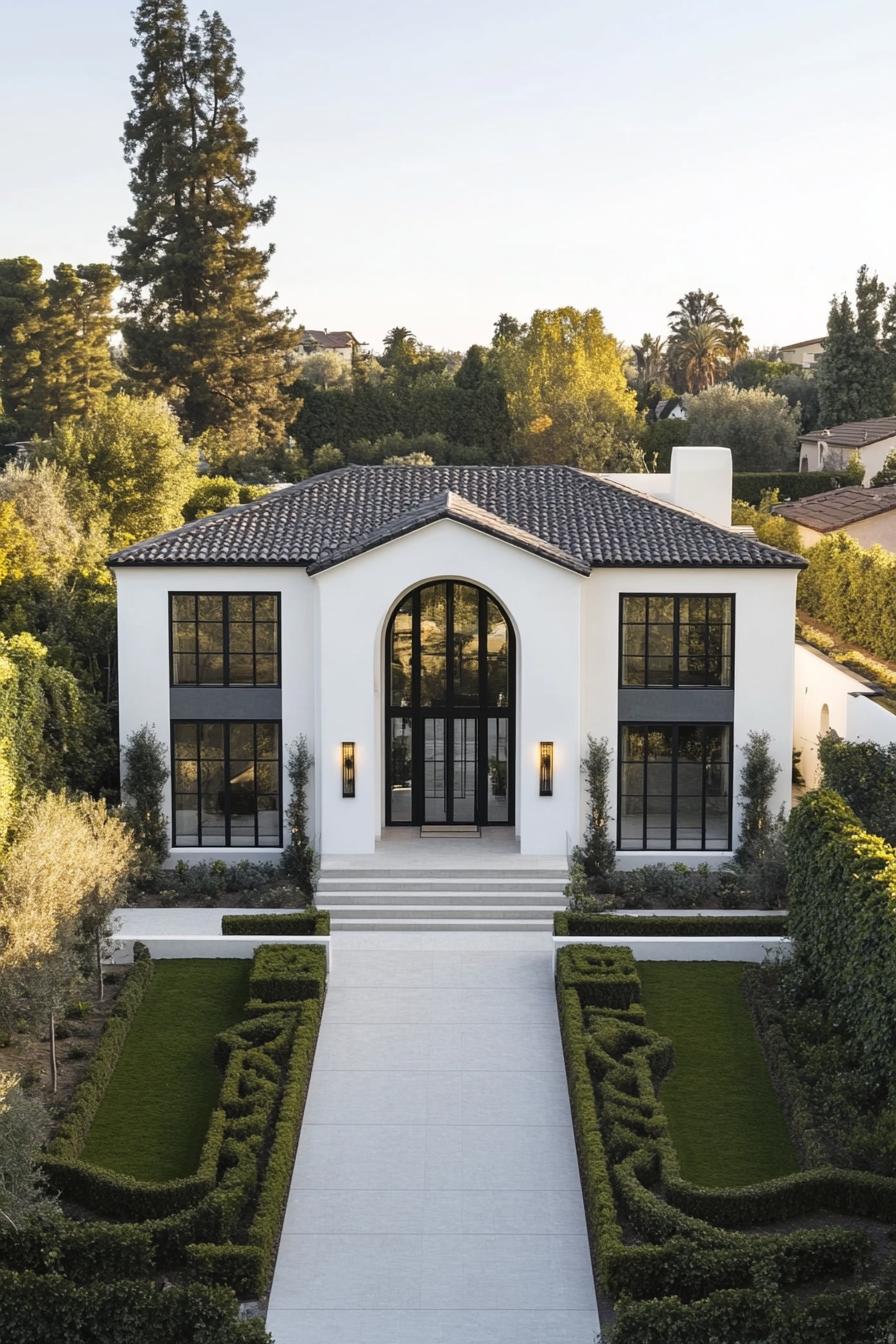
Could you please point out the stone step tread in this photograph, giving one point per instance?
(461, 911)
(443, 925)
(426, 898)
(471, 879)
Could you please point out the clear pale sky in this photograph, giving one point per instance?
(435, 164)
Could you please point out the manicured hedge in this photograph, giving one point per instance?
(842, 894)
(49, 1309)
(573, 925)
(852, 590)
(290, 921)
(750, 485)
(222, 1224)
(287, 972)
(692, 1274)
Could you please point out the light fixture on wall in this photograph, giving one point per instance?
(348, 769)
(545, 769)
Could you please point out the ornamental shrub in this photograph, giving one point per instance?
(842, 899)
(852, 590)
(596, 855)
(750, 486)
(865, 775)
(299, 859)
(143, 783)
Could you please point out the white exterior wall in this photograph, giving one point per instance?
(823, 455)
(830, 696)
(143, 645)
(763, 669)
(356, 599)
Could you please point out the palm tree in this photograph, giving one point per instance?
(700, 354)
(399, 347)
(697, 309)
(650, 360)
(737, 345)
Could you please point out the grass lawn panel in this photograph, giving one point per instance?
(152, 1121)
(723, 1114)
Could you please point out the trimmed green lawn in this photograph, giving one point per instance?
(723, 1114)
(152, 1121)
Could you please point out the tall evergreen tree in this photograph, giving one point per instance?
(197, 326)
(22, 301)
(76, 369)
(855, 375)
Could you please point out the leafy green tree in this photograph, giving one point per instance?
(24, 1129)
(197, 326)
(131, 463)
(856, 374)
(326, 369)
(22, 301)
(409, 460)
(326, 458)
(142, 787)
(76, 369)
(757, 784)
(887, 473)
(213, 493)
(759, 427)
(567, 394)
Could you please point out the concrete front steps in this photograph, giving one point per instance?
(517, 899)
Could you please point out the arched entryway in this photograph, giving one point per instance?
(450, 681)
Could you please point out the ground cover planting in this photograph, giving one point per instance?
(214, 1227)
(779, 1260)
(152, 1120)
(724, 1118)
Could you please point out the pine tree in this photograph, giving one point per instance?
(76, 369)
(855, 373)
(22, 300)
(197, 327)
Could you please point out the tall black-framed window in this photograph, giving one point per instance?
(674, 786)
(669, 639)
(224, 639)
(449, 731)
(226, 783)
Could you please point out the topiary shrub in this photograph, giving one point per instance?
(299, 859)
(143, 783)
(596, 855)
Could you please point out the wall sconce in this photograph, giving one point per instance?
(348, 769)
(546, 769)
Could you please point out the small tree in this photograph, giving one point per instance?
(299, 859)
(757, 784)
(24, 1127)
(887, 473)
(145, 775)
(112, 862)
(596, 856)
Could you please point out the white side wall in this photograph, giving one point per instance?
(822, 455)
(355, 601)
(830, 696)
(143, 672)
(763, 669)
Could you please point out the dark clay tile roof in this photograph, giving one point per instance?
(562, 513)
(855, 434)
(836, 508)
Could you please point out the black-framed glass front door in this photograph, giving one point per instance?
(450, 676)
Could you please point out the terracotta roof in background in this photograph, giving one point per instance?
(330, 340)
(560, 512)
(855, 434)
(837, 508)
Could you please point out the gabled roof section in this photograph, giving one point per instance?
(448, 504)
(838, 508)
(558, 512)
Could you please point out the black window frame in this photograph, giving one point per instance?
(621, 762)
(226, 596)
(198, 724)
(676, 684)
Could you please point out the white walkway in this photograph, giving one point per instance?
(436, 1197)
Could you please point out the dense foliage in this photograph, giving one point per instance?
(759, 427)
(864, 774)
(856, 374)
(143, 785)
(853, 590)
(751, 486)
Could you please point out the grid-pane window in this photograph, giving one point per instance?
(226, 784)
(669, 640)
(225, 639)
(675, 786)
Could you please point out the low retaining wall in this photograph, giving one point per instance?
(162, 946)
(727, 948)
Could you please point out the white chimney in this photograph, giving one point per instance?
(701, 481)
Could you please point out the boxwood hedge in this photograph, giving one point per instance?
(221, 1225)
(575, 925)
(677, 1258)
(311, 921)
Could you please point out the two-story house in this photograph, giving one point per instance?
(447, 638)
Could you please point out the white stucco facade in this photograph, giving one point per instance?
(567, 629)
(822, 454)
(829, 696)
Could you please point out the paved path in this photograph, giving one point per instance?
(436, 1197)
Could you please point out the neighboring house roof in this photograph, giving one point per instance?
(561, 513)
(328, 340)
(838, 508)
(855, 434)
(665, 407)
(798, 345)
